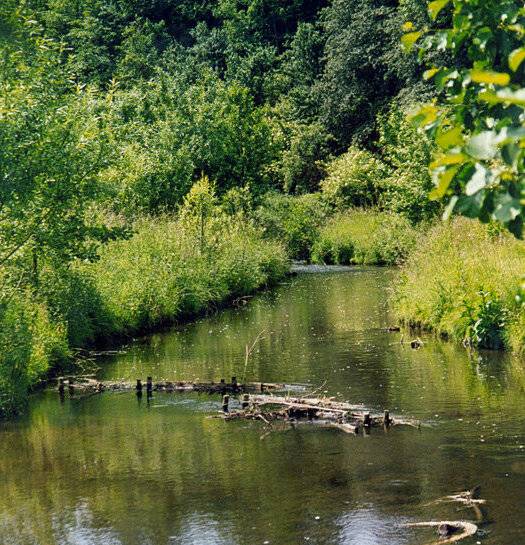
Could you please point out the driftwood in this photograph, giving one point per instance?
(453, 531)
(325, 412)
(450, 531)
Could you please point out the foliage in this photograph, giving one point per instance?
(355, 178)
(160, 275)
(295, 221)
(29, 343)
(407, 153)
(478, 125)
(461, 282)
(364, 237)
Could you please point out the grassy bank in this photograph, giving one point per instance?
(364, 237)
(463, 282)
(171, 269)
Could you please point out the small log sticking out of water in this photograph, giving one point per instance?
(324, 411)
(450, 531)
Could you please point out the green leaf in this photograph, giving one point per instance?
(453, 137)
(479, 180)
(507, 208)
(483, 145)
(409, 39)
(471, 206)
(489, 77)
(444, 178)
(516, 58)
(436, 6)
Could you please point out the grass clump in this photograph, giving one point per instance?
(463, 282)
(170, 269)
(30, 343)
(364, 237)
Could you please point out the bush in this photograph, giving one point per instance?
(293, 220)
(407, 152)
(174, 268)
(354, 179)
(463, 282)
(364, 237)
(29, 344)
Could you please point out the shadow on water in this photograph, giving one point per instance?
(114, 469)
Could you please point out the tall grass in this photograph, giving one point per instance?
(171, 269)
(359, 236)
(29, 343)
(463, 282)
(165, 272)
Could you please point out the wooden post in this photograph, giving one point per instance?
(149, 385)
(234, 383)
(386, 419)
(138, 387)
(61, 386)
(262, 387)
(245, 401)
(368, 420)
(71, 386)
(225, 403)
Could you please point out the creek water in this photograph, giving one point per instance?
(115, 470)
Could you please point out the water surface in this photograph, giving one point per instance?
(111, 469)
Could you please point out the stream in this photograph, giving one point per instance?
(113, 469)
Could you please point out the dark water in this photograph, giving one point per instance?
(111, 470)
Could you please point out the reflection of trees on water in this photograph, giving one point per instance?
(109, 468)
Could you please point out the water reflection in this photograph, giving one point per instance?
(120, 469)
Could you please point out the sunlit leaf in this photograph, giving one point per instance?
(483, 145)
(453, 137)
(479, 180)
(409, 39)
(444, 180)
(516, 58)
(435, 7)
(489, 77)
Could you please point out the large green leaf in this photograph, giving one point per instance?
(479, 180)
(483, 145)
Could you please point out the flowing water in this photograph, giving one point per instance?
(112, 469)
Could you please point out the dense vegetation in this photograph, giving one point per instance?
(158, 158)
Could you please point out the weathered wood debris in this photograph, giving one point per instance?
(457, 530)
(88, 385)
(327, 412)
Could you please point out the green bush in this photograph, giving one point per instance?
(295, 221)
(407, 152)
(29, 344)
(364, 237)
(172, 268)
(463, 282)
(354, 179)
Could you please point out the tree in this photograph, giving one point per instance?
(52, 147)
(478, 123)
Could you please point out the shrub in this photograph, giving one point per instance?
(463, 282)
(293, 220)
(407, 152)
(354, 179)
(364, 237)
(167, 270)
(29, 344)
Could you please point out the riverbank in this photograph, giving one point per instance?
(464, 281)
(169, 270)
